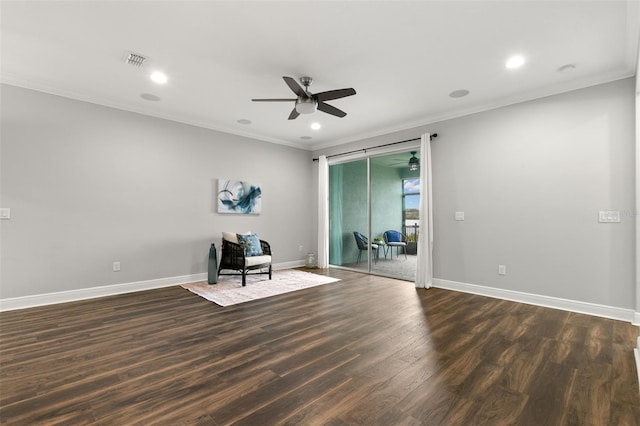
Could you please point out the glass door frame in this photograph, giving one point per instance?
(367, 155)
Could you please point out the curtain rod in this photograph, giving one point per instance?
(434, 135)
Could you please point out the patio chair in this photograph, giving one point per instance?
(363, 245)
(395, 239)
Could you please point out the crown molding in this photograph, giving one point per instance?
(437, 118)
(24, 83)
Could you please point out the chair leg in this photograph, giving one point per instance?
(244, 278)
(269, 271)
(359, 256)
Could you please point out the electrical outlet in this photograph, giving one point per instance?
(300, 248)
(116, 266)
(609, 216)
(5, 213)
(502, 270)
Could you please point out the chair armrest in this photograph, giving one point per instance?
(266, 248)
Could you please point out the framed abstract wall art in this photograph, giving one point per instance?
(236, 196)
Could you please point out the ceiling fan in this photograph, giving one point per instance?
(307, 102)
(413, 163)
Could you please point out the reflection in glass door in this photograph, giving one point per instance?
(380, 238)
(348, 215)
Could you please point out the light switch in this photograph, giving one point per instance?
(5, 213)
(459, 215)
(609, 216)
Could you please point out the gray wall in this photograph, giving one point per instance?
(637, 191)
(531, 179)
(89, 185)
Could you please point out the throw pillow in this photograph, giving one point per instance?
(394, 237)
(251, 244)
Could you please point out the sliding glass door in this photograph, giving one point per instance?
(369, 210)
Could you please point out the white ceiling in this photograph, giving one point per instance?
(403, 58)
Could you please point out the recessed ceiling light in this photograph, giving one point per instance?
(514, 62)
(244, 121)
(149, 97)
(316, 126)
(159, 77)
(459, 93)
(306, 138)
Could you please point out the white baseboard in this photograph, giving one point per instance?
(111, 290)
(547, 301)
(288, 265)
(24, 302)
(93, 292)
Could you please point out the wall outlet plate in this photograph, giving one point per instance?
(459, 215)
(609, 216)
(5, 213)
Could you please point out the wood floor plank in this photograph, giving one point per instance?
(365, 350)
(546, 405)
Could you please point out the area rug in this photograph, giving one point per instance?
(229, 290)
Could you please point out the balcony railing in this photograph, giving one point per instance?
(412, 232)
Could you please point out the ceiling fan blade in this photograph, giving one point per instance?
(294, 114)
(334, 94)
(293, 85)
(331, 109)
(273, 100)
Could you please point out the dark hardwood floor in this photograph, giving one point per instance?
(363, 351)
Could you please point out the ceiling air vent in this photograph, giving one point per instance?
(134, 59)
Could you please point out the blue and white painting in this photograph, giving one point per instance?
(235, 196)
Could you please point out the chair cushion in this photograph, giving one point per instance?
(251, 244)
(393, 236)
(257, 260)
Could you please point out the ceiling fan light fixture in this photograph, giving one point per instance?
(305, 105)
(159, 77)
(414, 163)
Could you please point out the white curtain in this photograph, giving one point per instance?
(323, 212)
(424, 270)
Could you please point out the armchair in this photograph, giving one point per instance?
(243, 256)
